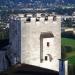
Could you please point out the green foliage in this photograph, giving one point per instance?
(71, 69)
(68, 42)
(4, 34)
(71, 60)
(69, 49)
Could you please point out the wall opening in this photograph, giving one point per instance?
(42, 36)
(48, 44)
(37, 19)
(46, 58)
(54, 18)
(46, 18)
(28, 19)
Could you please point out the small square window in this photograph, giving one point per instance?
(46, 58)
(48, 44)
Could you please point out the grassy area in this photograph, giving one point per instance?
(68, 42)
(69, 55)
(71, 60)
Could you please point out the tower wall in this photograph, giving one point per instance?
(15, 41)
(30, 41)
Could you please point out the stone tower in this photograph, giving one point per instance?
(35, 39)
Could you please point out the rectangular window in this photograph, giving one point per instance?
(46, 58)
(48, 44)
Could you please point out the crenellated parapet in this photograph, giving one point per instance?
(38, 17)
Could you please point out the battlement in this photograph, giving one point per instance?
(36, 17)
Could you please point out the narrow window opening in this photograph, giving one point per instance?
(46, 58)
(48, 44)
(54, 18)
